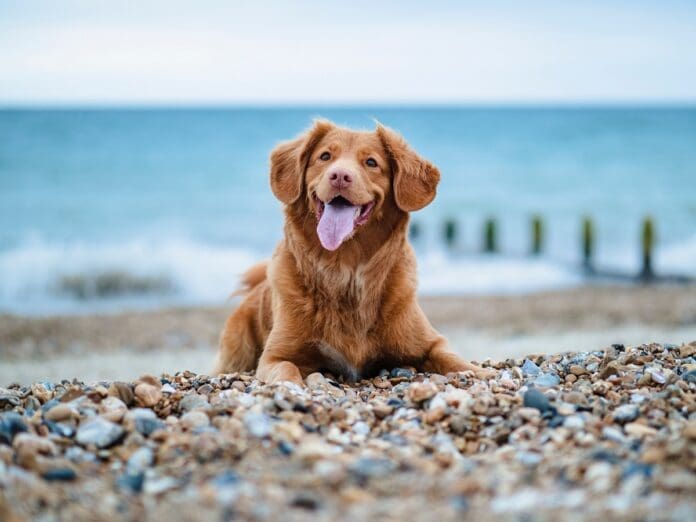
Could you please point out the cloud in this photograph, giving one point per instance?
(169, 52)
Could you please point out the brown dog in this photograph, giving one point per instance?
(339, 293)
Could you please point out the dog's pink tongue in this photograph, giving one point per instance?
(336, 224)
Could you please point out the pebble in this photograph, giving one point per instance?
(690, 377)
(60, 474)
(147, 395)
(195, 419)
(60, 412)
(636, 429)
(533, 398)
(131, 482)
(193, 401)
(600, 439)
(144, 420)
(141, 459)
(113, 409)
(316, 379)
(547, 380)
(625, 413)
(258, 424)
(369, 467)
(123, 391)
(421, 391)
(401, 373)
(11, 423)
(530, 369)
(99, 432)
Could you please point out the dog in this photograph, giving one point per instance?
(339, 293)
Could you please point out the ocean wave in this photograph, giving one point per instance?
(39, 277)
(44, 277)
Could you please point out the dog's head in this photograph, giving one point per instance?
(350, 179)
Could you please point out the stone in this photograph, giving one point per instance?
(625, 413)
(361, 428)
(99, 432)
(547, 380)
(687, 350)
(530, 369)
(382, 409)
(60, 475)
(11, 423)
(147, 395)
(192, 402)
(533, 398)
(123, 391)
(689, 430)
(636, 429)
(612, 368)
(29, 447)
(689, 376)
(316, 379)
(401, 373)
(60, 429)
(421, 391)
(140, 460)
(113, 409)
(195, 419)
(59, 413)
(577, 370)
(258, 424)
(144, 421)
(131, 482)
(368, 467)
(574, 422)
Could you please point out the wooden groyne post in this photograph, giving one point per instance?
(588, 240)
(414, 231)
(490, 236)
(647, 244)
(537, 235)
(450, 232)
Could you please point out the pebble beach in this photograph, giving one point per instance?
(580, 435)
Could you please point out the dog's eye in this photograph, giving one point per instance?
(371, 162)
(325, 156)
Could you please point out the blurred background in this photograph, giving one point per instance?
(134, 143)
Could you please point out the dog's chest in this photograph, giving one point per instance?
(336, 362)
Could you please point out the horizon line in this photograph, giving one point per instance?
(348, 104)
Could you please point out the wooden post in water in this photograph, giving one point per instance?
(537, 235)
(450, 233)
(414, 230)
(588, 239)
(647, 243)
(490, 242)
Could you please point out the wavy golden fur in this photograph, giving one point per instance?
(350, 309)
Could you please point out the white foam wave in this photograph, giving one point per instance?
(31, 275)
(39, 277)
(440, 274)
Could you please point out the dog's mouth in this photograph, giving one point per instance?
(338, 219)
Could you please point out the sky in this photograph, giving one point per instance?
(307, 52)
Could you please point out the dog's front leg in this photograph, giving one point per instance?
(441, 360)
(282, 359)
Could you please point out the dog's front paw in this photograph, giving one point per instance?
(278, 373)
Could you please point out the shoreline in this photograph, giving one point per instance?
(101, 346)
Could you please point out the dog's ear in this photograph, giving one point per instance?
(415, 179)
(289, 162)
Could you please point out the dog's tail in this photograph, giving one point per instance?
(252, 278)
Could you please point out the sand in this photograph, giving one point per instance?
(125, 345)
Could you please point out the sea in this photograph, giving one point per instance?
(109, 209)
